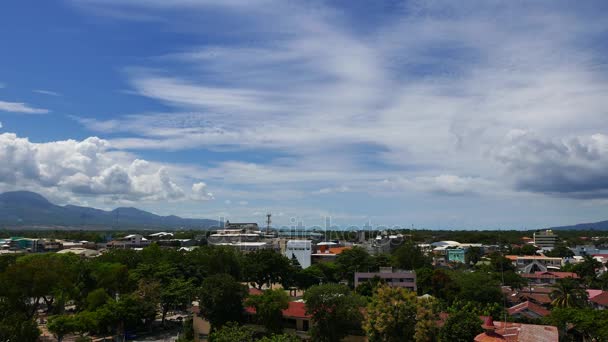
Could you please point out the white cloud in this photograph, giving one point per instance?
(428, 94)
(200, 192)
(86, 168)
(20, 107)
(46, 92)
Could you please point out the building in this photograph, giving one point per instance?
(529, 310)
(395, 278)
(545, 239)
(516, 332)
(82, 252)
(547, 277)
(600, 301)
(301, 250)
(129, 241)
(456, 255)
(535, 263)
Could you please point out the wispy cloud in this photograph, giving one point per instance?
(46, 92)
(421, 99)
(20, 107)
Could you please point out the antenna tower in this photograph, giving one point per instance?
(268, 222)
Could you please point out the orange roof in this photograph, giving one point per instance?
(337, 250)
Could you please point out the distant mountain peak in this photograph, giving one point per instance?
(26, 208)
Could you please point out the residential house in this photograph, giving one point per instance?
(516, 332)
(129, 241)
(600, 301)
(528, 309)
(535, 263)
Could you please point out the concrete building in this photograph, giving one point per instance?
(535, 263)
(395, 278)
(456, 255)
(545, 239)
(301, 250)
(129, 241)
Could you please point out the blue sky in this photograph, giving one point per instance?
(437, 114)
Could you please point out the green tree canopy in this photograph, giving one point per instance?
(221, 300)
(335, 311)
(391, 314)
(269, 308)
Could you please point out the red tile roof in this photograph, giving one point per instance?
(527, 305)
(295, 310)
(601, 299)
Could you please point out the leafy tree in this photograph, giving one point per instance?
(443, 286)
(232, 332)
(334, 310)
(568, 294)
(305, 278)
(16, 325)
(478, 287)
(424, 283)
(560, 250)
(409, 257)
(221, 300)
(580, 324)
(462, 325)
(62, 325)
(525, 250)
(176, 294)
(426, 320)
(499, 263)
(473, 255)
(587, 269)
(269, 308)
(368, 288)
(97, 298)
(391, 314)
(279, 338)
(354, 260)
(113, 277)
(265, 267)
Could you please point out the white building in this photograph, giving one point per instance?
(301, 250)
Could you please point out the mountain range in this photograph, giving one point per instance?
(601, 225)
(29, 209)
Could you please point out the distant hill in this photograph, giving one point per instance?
(602, 225)
(25, 208)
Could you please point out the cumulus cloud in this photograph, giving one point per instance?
(572, 167)
(20, 107)
(86, 168)
(200, 192)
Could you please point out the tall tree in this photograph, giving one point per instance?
(176, 294)
(409, 257)
(568, 293)
(462, 325)
(391, 314)
(269, 308)
(265, 267)
(221, 300)
(426, 320)
(232, 332)
(354, 260)
(335, 311)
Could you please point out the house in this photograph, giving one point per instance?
(600, 301)
(536, 294)
(528, 309)
(547, 277)
(326, 253)
(516, 332)
(295, 318)
(394, 278)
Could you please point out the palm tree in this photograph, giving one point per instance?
(568, 294)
